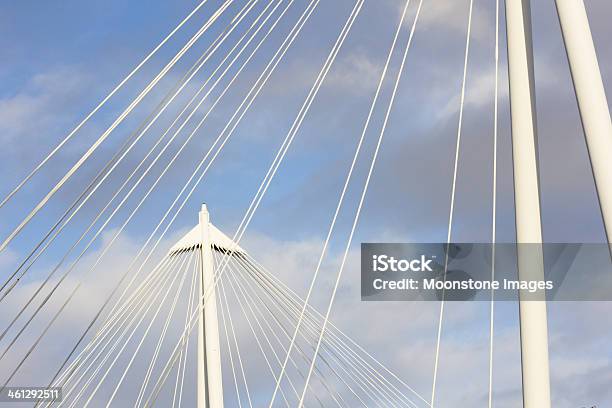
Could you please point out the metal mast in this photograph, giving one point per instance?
(533, 322)
(591, 98)
(209, 380)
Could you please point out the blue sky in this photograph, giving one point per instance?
(61, 58)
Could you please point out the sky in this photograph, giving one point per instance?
(61, 59)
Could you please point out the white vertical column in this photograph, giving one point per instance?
(210, 380)
(201, 371)
(592, 100)
(533, 323)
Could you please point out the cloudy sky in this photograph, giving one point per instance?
(62, 58)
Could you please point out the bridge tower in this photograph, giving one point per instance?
(206, 238)
(209, 375)
(597, 126)
(532, 312)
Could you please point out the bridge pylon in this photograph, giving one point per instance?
(209, 374)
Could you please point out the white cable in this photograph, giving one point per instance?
(250, 300)
(286, 291)
(127, 341)
(288, 40)
(42, 334)
(291, 311)
(61, 374)
(195, 69)
(292, 132)
(253, 300)
(229, 346)
(137, 183)
(226, 139)
(121, 329)
(119, 206)
(305, 107)
(303, 354)
(272, 170)
(312, 326)
(76, 129)
(363, 194)
(189, 137)
(71, 370)
(295, 127)
(151, 188)
(248, 319)
(160, 341)
(142, 200)
(117, 121)
(147, 287)
(494, 209)
(233, 330)
(186, 341)
(227, 339)
(335, 334)
(452, 202)
(332, 224)
(109, 346)
(185, 347)
(253, 93)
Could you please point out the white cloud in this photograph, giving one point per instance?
(453, 15)
(450, 16)
(400, 334)
(41, 106)
(355, 73)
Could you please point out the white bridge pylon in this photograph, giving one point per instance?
(340, 358)
(206, 238)
(193, 239)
